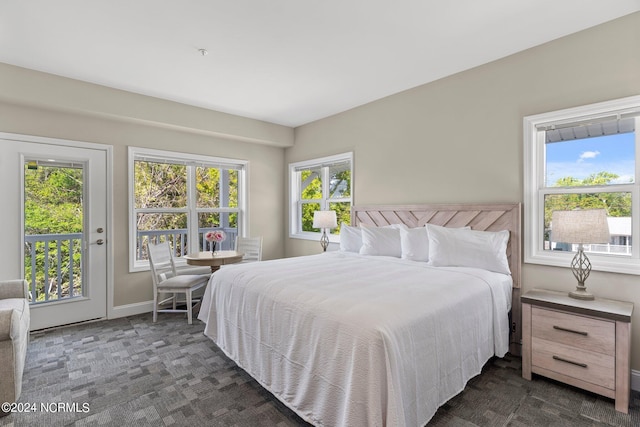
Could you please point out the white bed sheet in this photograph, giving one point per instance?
(351, 340)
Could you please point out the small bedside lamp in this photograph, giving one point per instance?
(580, 226)
(324, 220)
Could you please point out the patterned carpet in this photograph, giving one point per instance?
(131, 371)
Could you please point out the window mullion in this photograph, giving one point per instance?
(217, 210)
(635, 218)
(161, 210)
(224, 196)
(325, 188)
(192, 216)
(623, 188)
(539, 161)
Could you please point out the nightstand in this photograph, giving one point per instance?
(586, 344)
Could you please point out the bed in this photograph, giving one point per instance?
(350, 339)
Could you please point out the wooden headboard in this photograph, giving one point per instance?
(485, 217)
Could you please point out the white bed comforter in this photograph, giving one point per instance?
(350, 340)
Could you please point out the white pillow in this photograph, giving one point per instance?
(414, 243)
(384, 241)
(468, 248)
(350, 238)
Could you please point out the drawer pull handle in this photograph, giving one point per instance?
(582, 365)
(569, 330)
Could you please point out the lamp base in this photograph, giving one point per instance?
(324, 240)
(581, 294)
(581, 267)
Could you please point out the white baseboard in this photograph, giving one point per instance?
(635, 380)
(131, 309)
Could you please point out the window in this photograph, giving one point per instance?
(178, 197)
(320, 184)
(584, 158)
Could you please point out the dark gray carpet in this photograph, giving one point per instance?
(131, 371)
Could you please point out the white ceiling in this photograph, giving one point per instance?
(283, 61)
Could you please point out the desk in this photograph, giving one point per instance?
(214, 260)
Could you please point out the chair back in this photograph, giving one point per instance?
(251, 247)
(161, 262)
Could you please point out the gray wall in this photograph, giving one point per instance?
(459, 139)
(34, 103)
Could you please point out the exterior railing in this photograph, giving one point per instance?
(53, 262)
(178, 239)
(53, 266)
(604, 248)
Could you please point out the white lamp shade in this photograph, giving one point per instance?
(325, 219)
(580, 226)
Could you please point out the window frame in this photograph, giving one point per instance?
(535, 189)
(191, 161)
(295, 190)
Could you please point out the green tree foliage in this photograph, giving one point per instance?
(208, 186)
(340, 184)
(616, 204)
(163, 186)
(53, 200)
(208, 181)
(53, 205)
(339, 187)
(160, 185)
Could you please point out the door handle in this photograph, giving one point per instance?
(100, 242)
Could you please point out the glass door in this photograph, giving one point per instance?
(61, 211)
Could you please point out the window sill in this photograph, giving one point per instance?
(609, 264)
(333, 238)
(144, 266)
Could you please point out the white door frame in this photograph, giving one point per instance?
(108, 235)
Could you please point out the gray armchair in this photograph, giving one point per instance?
(14, 336)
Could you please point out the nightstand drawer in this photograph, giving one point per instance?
(589, 366)
(571, 330)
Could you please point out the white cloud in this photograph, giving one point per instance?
(588, 155)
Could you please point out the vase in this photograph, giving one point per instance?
(213, 248)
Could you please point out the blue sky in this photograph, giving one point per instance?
(583, 157)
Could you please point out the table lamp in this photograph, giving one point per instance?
(324, 220)
(580, 226)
